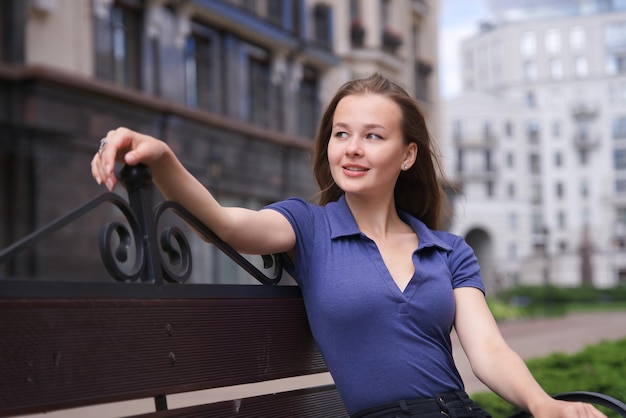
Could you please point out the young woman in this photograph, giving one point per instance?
(382, 286)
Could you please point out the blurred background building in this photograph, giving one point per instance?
(537, 143)
(235, 87)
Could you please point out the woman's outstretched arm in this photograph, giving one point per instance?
(247, 231)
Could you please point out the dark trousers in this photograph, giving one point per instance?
(451, 404)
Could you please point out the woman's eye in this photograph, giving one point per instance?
(373, 136)
(341, 134)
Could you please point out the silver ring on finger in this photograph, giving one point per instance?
(103, 143)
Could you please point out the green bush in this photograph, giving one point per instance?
(546, 301)
(597, 368)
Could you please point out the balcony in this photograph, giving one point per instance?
(475, 140)
(357, 34)
(583, 141)
(391, 40)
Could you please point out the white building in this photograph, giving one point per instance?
(537, 144)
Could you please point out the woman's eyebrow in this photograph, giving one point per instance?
(366, 126)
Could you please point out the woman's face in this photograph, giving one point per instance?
(366, 150)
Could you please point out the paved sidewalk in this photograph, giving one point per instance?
(537, 338)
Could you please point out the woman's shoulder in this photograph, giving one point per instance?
(294, 204)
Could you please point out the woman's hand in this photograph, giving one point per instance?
(564, 409)
(125, 146)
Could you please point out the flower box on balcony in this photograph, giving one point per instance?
(357, 33)
(391, 40)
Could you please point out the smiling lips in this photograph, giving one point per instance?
(354, 170)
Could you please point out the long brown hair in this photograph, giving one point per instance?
(418, 190)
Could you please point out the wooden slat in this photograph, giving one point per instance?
(59, 354)
(304, 403)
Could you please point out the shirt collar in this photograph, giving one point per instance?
(342, 224)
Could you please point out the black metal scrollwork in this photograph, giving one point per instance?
(133, 252)
(126, 238)
(269, 261)
(112, 259)
(179, 255)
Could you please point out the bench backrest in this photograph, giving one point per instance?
(60, 353)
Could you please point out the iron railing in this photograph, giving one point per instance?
(140, 244)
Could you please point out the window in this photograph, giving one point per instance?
(577, 38)
(556, 69)
(513, 221)
(537, 224)
(535, 163)
(581, 69)
(559, 190)
(619, 158)
(532, 131)
(583, 156)
(511, 189)
(275, 11)
(508, 129)
(528, 44)
(561, 220)
(490, 188)
(459, 160)
(531, 71)
(118, 44)
(615, 34)
(510, 159)
(512, 251)
(615, 63)
(585, 216)
(202, 68)
(457, 130)
(556, 99)
(558, 159)
(308, 112)
(487, 136)
(556, 129)
(385, 13)
(620, 216)
(553, 41)
(322, 25)
(530, 99)
(355, 9)
(259, 84)
(488, 161)
(584, 188)
(422, 76)
(3, 22)
(619, 127)
(620, 186)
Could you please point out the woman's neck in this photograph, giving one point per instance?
(375, 217)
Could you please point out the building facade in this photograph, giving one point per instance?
(536, 142)
(235, 87)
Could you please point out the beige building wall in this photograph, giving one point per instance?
(59, 34)
(416, 21)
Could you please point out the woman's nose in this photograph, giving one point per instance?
(353, 146)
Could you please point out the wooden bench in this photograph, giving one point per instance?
(147, 346)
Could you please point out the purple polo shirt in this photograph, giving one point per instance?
(380, 344)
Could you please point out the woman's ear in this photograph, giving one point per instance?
(410, 156)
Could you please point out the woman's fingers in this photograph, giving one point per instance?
(125, 146)
(111, 147)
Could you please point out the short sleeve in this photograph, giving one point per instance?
(464, 266)
(299, 214)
